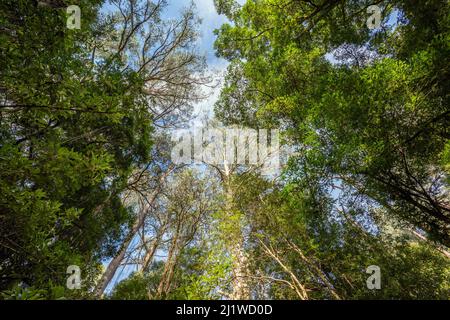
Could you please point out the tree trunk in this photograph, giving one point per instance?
(241, 289)
(240, 273)
(115, 263)
(166, 277)
(150, 253)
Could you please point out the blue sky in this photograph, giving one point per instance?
(210, 21)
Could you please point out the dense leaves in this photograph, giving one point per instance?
(71, 131)
(368, 108)
(86, 177)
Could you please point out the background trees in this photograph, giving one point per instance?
(369, 124)
(361, 105)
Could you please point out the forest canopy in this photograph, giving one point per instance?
(358, 91)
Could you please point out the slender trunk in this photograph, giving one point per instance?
(240, 273)
(116, 261)
(241, 289)
(166, 277)
(149, 254)
(299, 288)
(316, 270)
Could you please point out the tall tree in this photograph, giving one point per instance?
(366, 108)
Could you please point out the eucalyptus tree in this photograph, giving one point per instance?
(179, 239)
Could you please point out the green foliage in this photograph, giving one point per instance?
(368, 113)
(315, 243)
(71, 132)
(201, 273)
(138, 286)
(375, 117)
